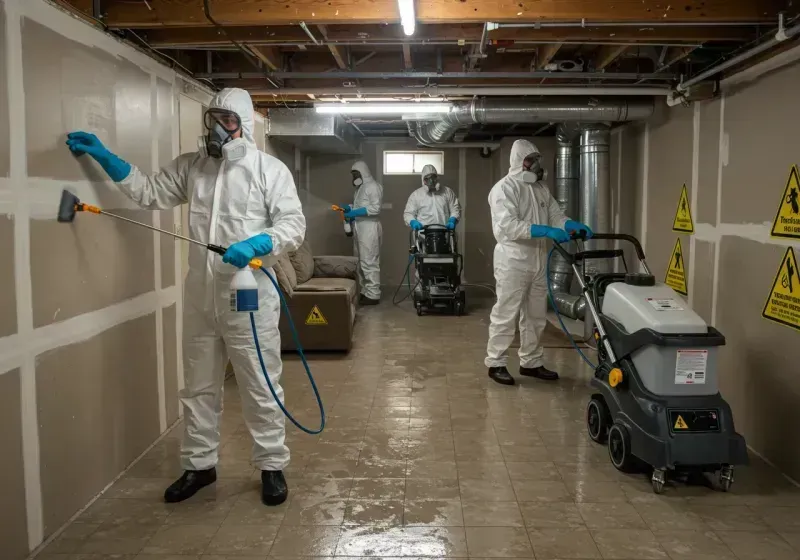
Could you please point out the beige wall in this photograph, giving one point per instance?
(89, 359)
(732, 261)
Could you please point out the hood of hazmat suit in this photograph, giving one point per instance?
(368, 232)
(230, 200)
(430, 208)
(516, 205)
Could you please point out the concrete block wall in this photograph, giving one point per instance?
(89, 356)
(734, 154)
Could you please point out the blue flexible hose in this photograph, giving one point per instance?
(302, 357)
(558, 315)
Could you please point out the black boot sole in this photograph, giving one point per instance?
(502, 380)
(191, 492)
(273, 501)
(538, 376)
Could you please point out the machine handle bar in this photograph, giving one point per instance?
(623, 237)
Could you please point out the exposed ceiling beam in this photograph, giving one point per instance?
(607, 54)
(265, 12)
(676, 54)
(270, 56)
(545, 54)
(337, 55)
(408, 63)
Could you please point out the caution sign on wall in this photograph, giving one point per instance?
(787, 218)
(783, 303)
(683, 215)
(676, 270)
(315, 317)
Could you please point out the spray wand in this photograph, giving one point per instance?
(348, 229)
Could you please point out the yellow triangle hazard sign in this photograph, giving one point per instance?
(680, 424)
(787, 218)
(315, 317)
(676, 270)
(783, 304)
(683, 215)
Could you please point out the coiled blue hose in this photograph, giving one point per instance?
(558, 315)
(291, 418)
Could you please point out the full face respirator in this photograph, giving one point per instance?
(532, 169)
(432, 182)
(357, 179)
(222, 125)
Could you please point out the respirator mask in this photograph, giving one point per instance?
(532, 169)
(219, 142)
(432, 182)
(357, 180)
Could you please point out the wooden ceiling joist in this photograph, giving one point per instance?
(270, 56)
(170, 13)
(545, 54)
(335, 51)
(408, 63)
(607, 54)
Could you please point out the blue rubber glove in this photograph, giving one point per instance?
(572, 225)
(356, 213)
(86, 143)
(346, 207)
(415, 225)
(451, 223)
(240, 254)
(557, 235)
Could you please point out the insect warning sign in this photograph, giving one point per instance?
(783, 303)
(676, 270)
(683, 222)
(787, 218)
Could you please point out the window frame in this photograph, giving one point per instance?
(413, 153)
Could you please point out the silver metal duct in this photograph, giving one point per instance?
(523, 110)
(566, 194)
(568, 305)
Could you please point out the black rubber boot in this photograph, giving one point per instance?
(364, 300)
(540, 372)
(189, 484)
(274, 490)
(501, 375)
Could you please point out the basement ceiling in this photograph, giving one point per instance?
(292, 53)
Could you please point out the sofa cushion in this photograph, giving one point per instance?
(303, 263)
(285, 275)
(335, 266)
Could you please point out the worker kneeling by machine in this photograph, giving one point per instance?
(657, 398)
(438, 264)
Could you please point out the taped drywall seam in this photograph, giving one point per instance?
(720, 164)
(617, 210)
(645, 186)
(157, 237)
(42, 192)
(462, 198)
(693, 196)
(176, 219)
(22, 268)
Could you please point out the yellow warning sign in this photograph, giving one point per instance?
(787, 218)
(783, 304)
(676, 270)
(680, 424)
(315, 317)
(683, 215)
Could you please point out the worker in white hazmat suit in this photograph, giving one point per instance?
(245, 200)
(432, 203)
(368, 232)
(524, 216)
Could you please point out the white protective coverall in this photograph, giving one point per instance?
(229, 200)
(520, 262)
(431, 207)
(369, 232)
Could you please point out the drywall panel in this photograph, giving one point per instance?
(97, 411)
(89, 264)
(168, 320)
(13, 520)
(479, 240)
(670, 167)
(165, 110)
(758, 372)
(68, 87)
(703, 279)
(259, 131)
(763, 144)
(708, 163)
(5, 137)
(631, 165)
(330, 183)
(167, 250)
(8, 297)
(191, 123)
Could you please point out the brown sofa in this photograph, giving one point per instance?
(322, 293)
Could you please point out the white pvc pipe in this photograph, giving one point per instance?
(439, 91)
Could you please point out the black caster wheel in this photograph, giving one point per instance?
(658, 480)
(419, 309)
(458, 308)
(597, 420)
(725, 478)
(619, 449)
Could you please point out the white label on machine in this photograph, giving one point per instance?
(664, 304)
(690, 367)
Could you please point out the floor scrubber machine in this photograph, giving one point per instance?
(439, 265)
(657, 399)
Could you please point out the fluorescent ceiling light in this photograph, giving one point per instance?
(407, 16)
(383, 108)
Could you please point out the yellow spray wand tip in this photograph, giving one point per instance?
(255, 264)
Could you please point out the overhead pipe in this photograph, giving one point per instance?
(412, 131)
(469, 91)
(356, 75)
(642, 24)
(504, 111)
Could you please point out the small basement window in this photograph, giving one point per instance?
(411, 163)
